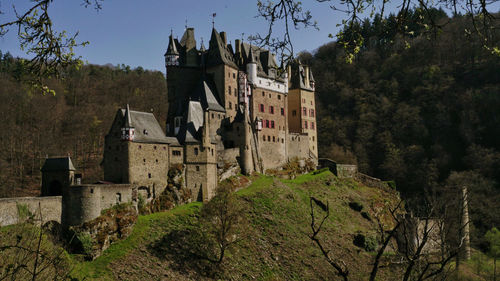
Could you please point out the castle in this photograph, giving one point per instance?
(226, 108)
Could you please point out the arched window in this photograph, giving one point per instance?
(195, 151)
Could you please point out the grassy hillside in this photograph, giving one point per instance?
(277, 246)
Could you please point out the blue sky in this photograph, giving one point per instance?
(136, 33)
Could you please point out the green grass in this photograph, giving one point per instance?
(143, 229)
(278, 245)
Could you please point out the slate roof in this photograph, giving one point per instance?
(147, 129)
(297, 79)
(172, 48)
(219, 52)
(189, 131)
(203, 93)
(58, 164)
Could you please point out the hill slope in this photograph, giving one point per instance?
(277, 246)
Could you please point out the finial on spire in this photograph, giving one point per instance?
(242, 36)
(186, 24)
(171, 32)
(213, 19)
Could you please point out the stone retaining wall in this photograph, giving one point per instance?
(18, 209)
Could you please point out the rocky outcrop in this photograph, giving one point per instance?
(95, 236)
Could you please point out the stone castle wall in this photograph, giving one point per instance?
(82, 203)
(298, 146)
(148, 164)
(272, 139)
(115, 156)
(50, 209)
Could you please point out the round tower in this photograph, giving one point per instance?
(246, 146)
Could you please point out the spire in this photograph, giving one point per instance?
(202, 47)
(172, 49)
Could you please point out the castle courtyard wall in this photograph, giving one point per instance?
(50, 207)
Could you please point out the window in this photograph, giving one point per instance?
(230, 105)
(274, 139)
(294, 113)
(229, 90)
(212, 116)
(140, 146)
(267, 123)
(272, 124)
(262, 108)
(212, 150)
(264, 138)
(149, 175)
(195, 151)
(312, 125)
(176, 152)
(303, 100)
(305, 124)
(234, 75)
(282, 141)
(164, 148)
(304, 111)
(271, 109)
(154, 147)
(197, 168)
(235, 92)
(311, 112)
(268, 138)
(145, 132)
(282, 111)
(144, 160)
(263, 94)
(313, 138)
(229, 75)
(311, 102)
(269, 95)
(279, 96)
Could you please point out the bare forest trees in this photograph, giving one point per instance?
(426, 244)
(27, 254)
(292, 13)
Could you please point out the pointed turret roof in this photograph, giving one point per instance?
(172, 48)
(251, 58)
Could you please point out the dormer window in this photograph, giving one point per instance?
(145, 132)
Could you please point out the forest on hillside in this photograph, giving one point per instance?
(424, 112)
(72, 122)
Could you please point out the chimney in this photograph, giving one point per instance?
(237, 46)
(306, 78)
(224, 37)
(206, 130)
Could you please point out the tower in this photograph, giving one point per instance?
(245, 147)
(301, 104)
(57, 173)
